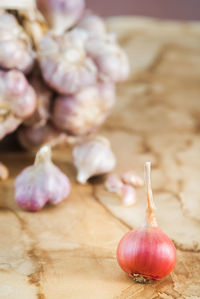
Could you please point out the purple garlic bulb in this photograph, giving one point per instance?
(61, 14)
(41, 183)
(92, 24)
(34, 137)
(17, 100)
(15, 45)
(64, 64)
(84, 112)
(111, 61)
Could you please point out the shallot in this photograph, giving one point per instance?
(147, 252)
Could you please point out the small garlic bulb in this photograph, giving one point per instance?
(41, 183)
(64, 63)
(17, 100)
(93, 24)
(111, 61)
(93, 157)
(15, 45)
(83, 112)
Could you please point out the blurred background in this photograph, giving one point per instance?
(167, 9)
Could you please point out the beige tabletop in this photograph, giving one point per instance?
(69, 251)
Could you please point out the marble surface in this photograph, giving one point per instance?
(68, 251)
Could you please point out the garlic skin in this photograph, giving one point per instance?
(15, 45)
(84, 112)
(17, 100)
(111, 61)
(93, 24)
(4, 173)
(34, 137)
(64, 63)
(61, 14)
(93, 157)
(41, 183)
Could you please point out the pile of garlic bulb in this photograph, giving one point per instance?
(58, 70)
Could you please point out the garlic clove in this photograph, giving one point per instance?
(128, 195)
(41, 183)
(130, 177)
(93, 157)
(4, 173)
(113, 184)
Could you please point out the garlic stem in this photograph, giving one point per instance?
(44, 154)
(150, 216)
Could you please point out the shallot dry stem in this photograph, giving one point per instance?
(150, 216)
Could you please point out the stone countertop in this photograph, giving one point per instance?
(68, 251)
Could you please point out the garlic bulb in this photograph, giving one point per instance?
(61, 14)
(110, 59)
(4, 173)
(17, 100)
(64, 64)
(93, 157)
(84, 112)
(34, 137)
(41, 183)
(92, 24)
(15, 45)
(44, 95)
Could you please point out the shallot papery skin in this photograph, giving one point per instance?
(110, 59)
(92, 24)
(17, 101)
(44, 95)
(93, 157)
(34, 137)
(64, 64)
(148, 252)
(41, 183)
(61, 14)
(84, 112)
(4, 173)
(15, 45)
